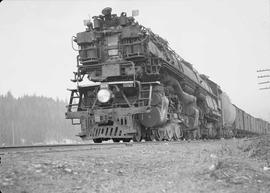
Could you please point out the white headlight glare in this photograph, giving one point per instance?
(103, 95)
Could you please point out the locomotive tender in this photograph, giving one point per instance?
(132, 85)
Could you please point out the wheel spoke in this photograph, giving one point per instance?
(160, 134)
(169, 132)
(177, 132)
(152, 135)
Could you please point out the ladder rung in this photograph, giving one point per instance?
(76, 104)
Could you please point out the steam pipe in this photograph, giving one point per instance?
(188, 99)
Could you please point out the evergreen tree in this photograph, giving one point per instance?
(34, 119)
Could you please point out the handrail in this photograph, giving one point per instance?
(72, 45)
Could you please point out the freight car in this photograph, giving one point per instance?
(246, 125)
(132, 85)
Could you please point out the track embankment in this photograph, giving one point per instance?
(196, 166)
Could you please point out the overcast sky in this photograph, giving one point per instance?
(227, 40)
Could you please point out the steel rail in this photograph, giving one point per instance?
(50, 146)
(60, 146)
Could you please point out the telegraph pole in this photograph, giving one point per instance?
(264, 79)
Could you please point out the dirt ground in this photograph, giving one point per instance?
(234, 165)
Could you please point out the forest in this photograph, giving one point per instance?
(30, 120)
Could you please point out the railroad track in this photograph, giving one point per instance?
(88, 146)
(52, 147)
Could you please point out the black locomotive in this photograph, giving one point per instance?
(132, 85)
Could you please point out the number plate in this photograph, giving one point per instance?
(97, 118)
(103, 85)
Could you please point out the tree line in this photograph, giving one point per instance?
(29, 120)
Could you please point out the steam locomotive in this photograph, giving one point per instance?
(132, 85)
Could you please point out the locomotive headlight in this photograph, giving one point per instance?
(104, 95)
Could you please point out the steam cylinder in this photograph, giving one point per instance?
(158, 113)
